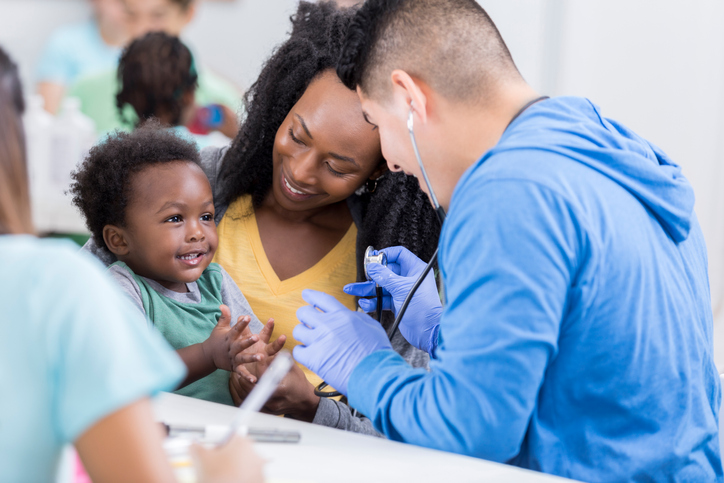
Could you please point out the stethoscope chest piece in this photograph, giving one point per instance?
(380, 258)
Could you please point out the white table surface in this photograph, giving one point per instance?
(325, 454)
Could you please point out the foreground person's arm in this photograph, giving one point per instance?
(126, 446)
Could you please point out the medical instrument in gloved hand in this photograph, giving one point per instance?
(380, 258)
(420, 323)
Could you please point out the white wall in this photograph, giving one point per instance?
(233, 38)
(655, 65)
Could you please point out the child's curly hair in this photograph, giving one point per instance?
(101, 189)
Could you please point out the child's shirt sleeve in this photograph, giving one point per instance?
(125, 280)
(237, 303)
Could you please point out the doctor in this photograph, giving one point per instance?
(576, 337)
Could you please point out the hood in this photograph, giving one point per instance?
(574, 127)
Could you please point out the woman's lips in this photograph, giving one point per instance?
(291, 192)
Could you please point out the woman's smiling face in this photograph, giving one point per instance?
(324, 150)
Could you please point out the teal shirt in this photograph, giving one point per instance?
(187, 323)
(75, 51)
(72, 351)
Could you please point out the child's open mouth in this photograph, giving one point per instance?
(192, 259)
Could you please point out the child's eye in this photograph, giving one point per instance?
(207, 217)
(174, 219)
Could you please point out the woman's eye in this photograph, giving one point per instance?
(295, 139)
(333, 171)
(174, 219)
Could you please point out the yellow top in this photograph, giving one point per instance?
(242, 255)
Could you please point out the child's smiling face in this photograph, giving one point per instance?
(169, 234)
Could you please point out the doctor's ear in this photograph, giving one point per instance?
(413, 92)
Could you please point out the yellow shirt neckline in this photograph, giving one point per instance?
(326, 264)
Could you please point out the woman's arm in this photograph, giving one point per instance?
(127, 446)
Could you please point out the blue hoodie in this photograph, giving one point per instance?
(577, 334)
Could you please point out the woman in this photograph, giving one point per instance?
(76, 362)
(301, 193)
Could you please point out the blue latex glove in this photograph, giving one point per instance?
(420, 324)
(335, 339)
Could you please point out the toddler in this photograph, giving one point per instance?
(147, 201)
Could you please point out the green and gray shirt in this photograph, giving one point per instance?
(188, 318)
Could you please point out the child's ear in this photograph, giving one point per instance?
(115, 239)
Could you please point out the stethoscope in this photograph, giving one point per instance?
(381, 257)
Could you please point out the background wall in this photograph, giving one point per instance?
(655, 65)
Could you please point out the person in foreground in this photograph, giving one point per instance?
(576, 334)
(76, 363)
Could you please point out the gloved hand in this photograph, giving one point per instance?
(336, 339)
(421, 321)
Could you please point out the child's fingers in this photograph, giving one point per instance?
(246, 376)
(246, 331)
(266, 332)
(276, 346)
(241, 327)
(239, 345)
(225, 318)
(247, 358)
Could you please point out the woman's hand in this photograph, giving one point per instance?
(294, 396)
(235, 462)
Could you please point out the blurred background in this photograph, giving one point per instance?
(655, 65)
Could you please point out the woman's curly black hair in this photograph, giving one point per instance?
(396, 213)
(101, 187)
(154, 73)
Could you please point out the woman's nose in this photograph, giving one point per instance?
(303, 168)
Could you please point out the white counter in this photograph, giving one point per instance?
(326, 454)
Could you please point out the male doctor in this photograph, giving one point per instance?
(576, 333)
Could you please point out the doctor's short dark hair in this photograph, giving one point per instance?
(452, 45)
(101, 186)
(396, 213)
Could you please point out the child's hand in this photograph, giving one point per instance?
(251, 361)
(217, 348)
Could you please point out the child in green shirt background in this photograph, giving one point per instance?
(147, 202)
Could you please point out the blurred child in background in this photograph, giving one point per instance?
(77, 50)
(158, 80)
(98, 92)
